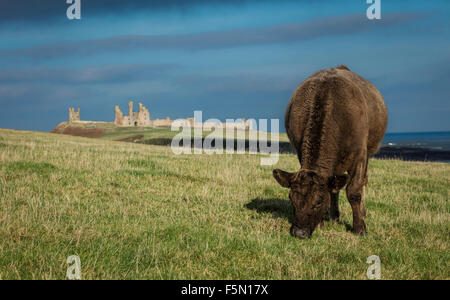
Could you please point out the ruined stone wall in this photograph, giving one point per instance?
(167, 122)
(74, 116)
(143, 116)
(139, 118)
(119, 118)
(242, 125)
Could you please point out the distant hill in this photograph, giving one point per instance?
(163, 137)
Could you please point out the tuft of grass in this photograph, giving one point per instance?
(133, 211)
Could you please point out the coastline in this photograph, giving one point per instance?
(413, 154)
(398, 152)
(408, 148)
(405, 153)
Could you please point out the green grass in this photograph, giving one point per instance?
(118, 133)
(134, 211)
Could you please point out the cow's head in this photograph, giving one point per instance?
(310, 196)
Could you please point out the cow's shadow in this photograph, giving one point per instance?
(279, 208)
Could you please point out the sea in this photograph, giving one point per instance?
(426, 140)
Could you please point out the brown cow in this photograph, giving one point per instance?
(335, 120)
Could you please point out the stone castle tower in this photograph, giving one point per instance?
(74, 116)
(139, 118)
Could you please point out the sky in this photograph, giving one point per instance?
(230, 58)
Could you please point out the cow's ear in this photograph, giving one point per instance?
(283, 178)
(337, 182)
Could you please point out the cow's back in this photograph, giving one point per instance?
(351, 110)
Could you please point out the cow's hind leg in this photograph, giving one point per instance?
(355, 194)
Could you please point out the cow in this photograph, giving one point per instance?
(335, 121)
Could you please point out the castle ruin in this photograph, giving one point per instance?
(74, 116)
(139, 118)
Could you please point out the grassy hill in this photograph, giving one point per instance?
(143, 135)
(138, 211)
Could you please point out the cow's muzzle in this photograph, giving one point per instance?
(299, 232)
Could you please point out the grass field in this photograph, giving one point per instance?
(132, 211)
(145, 134)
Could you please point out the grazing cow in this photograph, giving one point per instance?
(335, 120)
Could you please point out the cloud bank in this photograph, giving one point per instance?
(35, 11)
(91, 75)
(284, 33)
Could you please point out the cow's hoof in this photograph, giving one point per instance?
(360, 230)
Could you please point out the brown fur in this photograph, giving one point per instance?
(335, 120)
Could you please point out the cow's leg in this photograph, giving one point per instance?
(334, 207)
(333, 212)
(355, 194)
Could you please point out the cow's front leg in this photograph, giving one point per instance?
(333, 211)
(334, 207)
(355, 195)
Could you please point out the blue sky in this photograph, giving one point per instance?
(231, 59)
